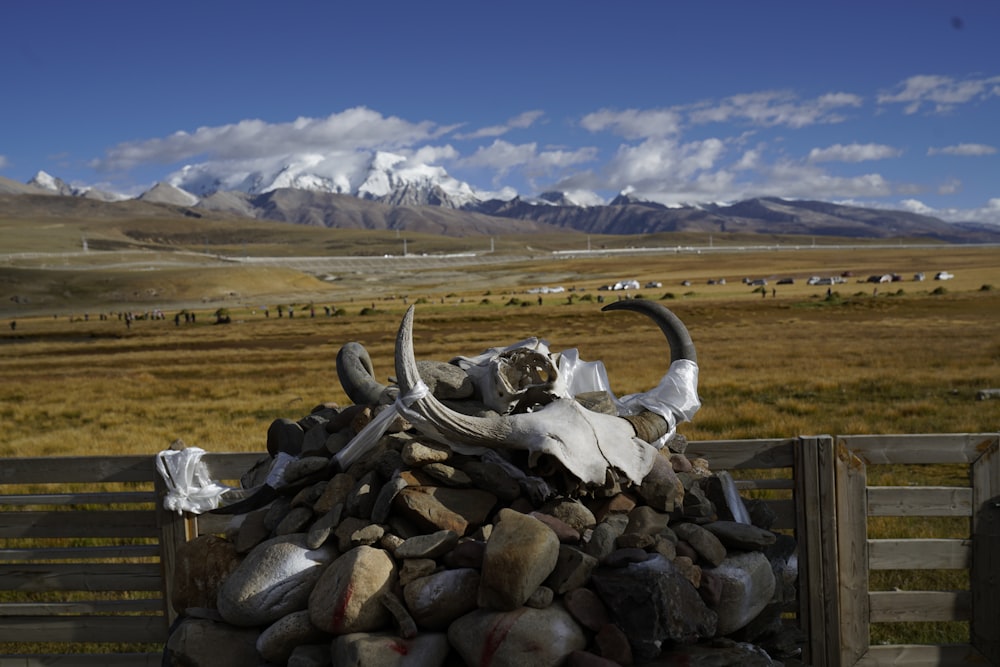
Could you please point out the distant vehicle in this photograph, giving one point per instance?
(686, 283)
(943, 275)
(918, 277)
(787, 281)
(760, 282)
(653, 284)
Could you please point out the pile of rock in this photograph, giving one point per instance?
(419, 555)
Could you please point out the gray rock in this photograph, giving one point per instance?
(311, 655)
(702, 541)
(653, 603)
(433, 545)
(195, 643)
(572, 569)
(276, 643)
(437, 508)
(438, 599)
(284, 435)
(275, 579)
(747, 587)
(741, 536)
(520, 554)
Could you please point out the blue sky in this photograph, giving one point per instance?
(884, 103)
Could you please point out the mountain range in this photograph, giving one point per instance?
(390, 192)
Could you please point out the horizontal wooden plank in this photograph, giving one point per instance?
(785, 483)
(919, 448)
(919, 501)
(84, 629)
(230, 465)
(910, 606)
(97, 498)
(735, 454)
(30, 577)
(83, 660)
(920, 655)
(80, 553)
(69, 469)
(79, 523)
(83, 607)
(919, 554)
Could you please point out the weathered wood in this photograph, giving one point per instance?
(93, 553)
(72, 523)
(140, 605)
(919, 554)
(737, 454)
(815, 515)
(919, 501)
(917, 449)
(175, 529)
(921, 655)
(84, 660)
(768, 484)
(81, 629)
(96, 498)
(910, 606)
(69, 469)
(985, 575)
(852, 554)
(30, 577)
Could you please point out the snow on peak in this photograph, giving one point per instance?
(49, 182)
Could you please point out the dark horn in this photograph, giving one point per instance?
(648, 425)
(681, 345)
(357, 375)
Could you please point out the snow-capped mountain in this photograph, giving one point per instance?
(384, 177)
(57, 186)
(48, 182)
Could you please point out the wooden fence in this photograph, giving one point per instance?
(86, 548)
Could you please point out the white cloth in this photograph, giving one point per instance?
(189, 487)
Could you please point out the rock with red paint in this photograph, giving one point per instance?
(346, 598)
(520, 554)
(524, 637)
(275, 579)
(386, 649)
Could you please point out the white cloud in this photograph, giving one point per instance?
(989, 213)
(853, 153)
(634, 123)
(521, 121)
(973, 150)
(916, 206)
(774, 108)
(350, 130)
(941, 93)
(503, 156)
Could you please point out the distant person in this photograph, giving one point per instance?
(13, 325)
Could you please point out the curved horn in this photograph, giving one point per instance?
(357, 375)
(488, 431)
(681, 345)
(648, 425)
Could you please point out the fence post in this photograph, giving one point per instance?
(985, 574)
(175, 530)
(815, 524)
(852, 555)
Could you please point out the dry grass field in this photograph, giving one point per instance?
(909, 358)
(851, 358)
